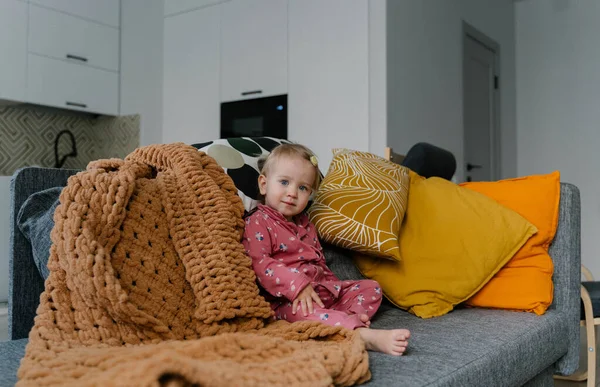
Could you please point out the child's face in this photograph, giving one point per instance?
(288, 186)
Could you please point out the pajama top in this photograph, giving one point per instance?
(286, 256)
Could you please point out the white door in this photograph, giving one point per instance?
(254, 55)
(13, 49)
(479, 104)
(191, 76)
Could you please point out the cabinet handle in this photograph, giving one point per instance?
(76, 104)
(77, 57)
(252, 92)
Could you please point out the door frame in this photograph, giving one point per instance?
(468, 31)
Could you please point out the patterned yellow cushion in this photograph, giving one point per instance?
(361, 203)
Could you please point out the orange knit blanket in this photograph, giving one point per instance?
(149, 285)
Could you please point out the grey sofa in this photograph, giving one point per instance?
(467, 347)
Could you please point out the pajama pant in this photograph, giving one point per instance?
(355, 298)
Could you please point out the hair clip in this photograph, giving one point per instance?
(314, 161)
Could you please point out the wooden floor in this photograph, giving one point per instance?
(567, 383)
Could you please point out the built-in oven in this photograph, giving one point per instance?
(256, 117)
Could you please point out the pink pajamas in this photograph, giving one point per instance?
(287, 256)
(356, 298)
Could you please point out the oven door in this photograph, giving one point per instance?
(256, 117)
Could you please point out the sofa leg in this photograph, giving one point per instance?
(591, 352)
(590, 327)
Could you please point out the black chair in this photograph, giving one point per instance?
(426, 159)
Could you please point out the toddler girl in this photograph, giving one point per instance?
(288, 259)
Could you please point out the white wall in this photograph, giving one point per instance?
(328, 75)
(4, 235)
(424, 67)
(558, 90)
(377, 77)
(142, 65)
(192, 73)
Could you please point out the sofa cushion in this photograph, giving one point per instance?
(452, 242)
(466, 347)
(11, 353)
(339, 261)
(35, 220)
(525, 282)
(469, 347)
(361, 203)
(239, 157)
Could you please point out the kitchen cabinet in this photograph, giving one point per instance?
(173, 7)
(254, 54)
(13, 48)
(191, 106)
(101, 11)
(61, 36)
(61, 53)
(73, 55)
(60, 84)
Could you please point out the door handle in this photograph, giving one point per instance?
(470, 166)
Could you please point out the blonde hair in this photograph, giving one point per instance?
(290, 150)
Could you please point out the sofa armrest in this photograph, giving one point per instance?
(565, 251)
(25, 282)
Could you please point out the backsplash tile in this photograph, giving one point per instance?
(27, 135)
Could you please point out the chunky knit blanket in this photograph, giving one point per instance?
(149, 285)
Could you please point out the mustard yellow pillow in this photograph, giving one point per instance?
(452, 242)
(361, 203)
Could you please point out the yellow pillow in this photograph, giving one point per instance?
(361, 203)
(452, 242)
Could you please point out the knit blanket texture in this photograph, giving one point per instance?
(150, 286)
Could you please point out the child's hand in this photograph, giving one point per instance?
(306, 298)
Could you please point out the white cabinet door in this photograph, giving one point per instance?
(329, 75)
(13, 50)
(191, 76)
(66, 37)
(254, 54)
(56, 83)
(173, 7)
(101, 11)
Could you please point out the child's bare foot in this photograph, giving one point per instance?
(365, 318)
(392, 342)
